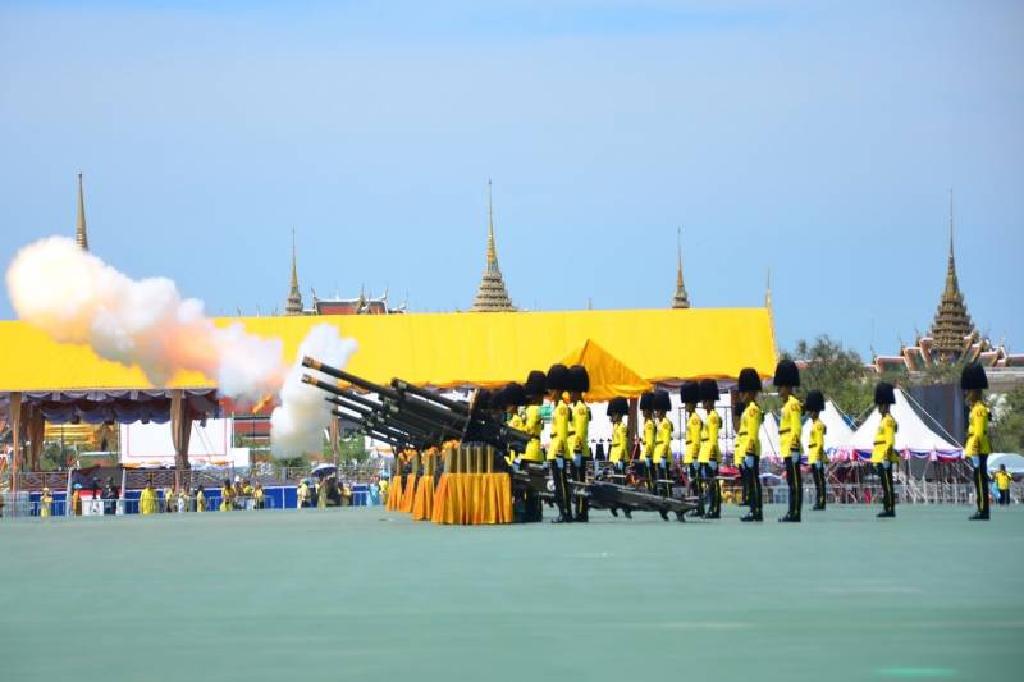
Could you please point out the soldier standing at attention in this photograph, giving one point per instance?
(787, 377)
(973, 381)
(662, 441)
(534, 388)
(513, 398)
(618, 408)
(883, 454)
(558, 447)
(690, 395)
(814, 405)
(647, 439)
(579, 438)
(749, 441)
(709, 451)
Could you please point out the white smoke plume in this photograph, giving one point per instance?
(77, 298)
(296, 426)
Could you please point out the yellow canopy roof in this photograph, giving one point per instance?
(608, 376)
(444, 349)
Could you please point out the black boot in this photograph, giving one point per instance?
(748, 518)
(979, 516)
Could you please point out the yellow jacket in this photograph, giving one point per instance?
(1003, 480)
(200, 501)
(790, 426)
(663, 440)
(977, 431)
(694, 428)
(533, 425)
(647, 445)
(514, 422)
(579, 441)
(559, 445)
(885, 441)
(617, 452)
(816, 443)
(748, 440)
(709, 451)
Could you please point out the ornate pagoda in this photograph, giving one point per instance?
(293, 305)
(680, 299)
(491, 295)
(81, 238)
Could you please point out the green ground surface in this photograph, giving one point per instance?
(361, 593)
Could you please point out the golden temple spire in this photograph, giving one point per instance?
(680, 299)
(952, 325)
(294, 304)
(768, 289)
(491, 295)
(81, 238)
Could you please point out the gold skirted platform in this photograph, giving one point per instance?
(468, 493)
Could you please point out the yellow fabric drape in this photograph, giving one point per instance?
(609, 377)
(423, 502)
(444, 349)
(473, 499)
(409, 494)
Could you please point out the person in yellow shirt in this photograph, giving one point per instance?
(618, 408)
(883, 452)
(786, 379)
(748, 440)
(1003, 481)
(579, 435)
(558, 447)
(689, 393)
(533, 424)
(147, 499)
(200, 499)
(45, 503)
(647, 438)
(973, 381)
(662, 458)
(227, 496)
(814, 405)
(710, 454)
(258, 495)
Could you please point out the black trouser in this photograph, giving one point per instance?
(755, 496)
(795, 485)
(559, 469)
(1004, 497)
(579, 473)
(661, 474)
(888, 493)
(711, 490)
(981, 484)
(820, 490)
(696, 486)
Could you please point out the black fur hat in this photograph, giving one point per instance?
(558, 378)
(536, 384)
(749, 381)
(786, 374)
(618, 406)
(514, 395)
(661, 402)
(646, 402)
(708, 389)
(814, 402)
(499, 400)
(973, 377)
(737, 408)
(885, 394)
(482, 400)
(689, 392)
(579, 379)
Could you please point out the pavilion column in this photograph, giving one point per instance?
(36, 432)
(14, 412)
(181, 430)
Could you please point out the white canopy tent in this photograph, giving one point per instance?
(914, 438)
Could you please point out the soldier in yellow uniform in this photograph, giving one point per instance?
(647, 439)
(147, 499)
(534, 389)
(814, 405)
(710, 454)
(558, 446)
(200, 499)
(973, 381)
(227, 496)
(579, 435)
(45, 503)
(748, 440)
(787, 378)
(1003, 481)
(689, 393)
(662, 458)
(884, 454)
(618, 408)
(510, 399)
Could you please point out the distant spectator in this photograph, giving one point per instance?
(147, 500)
(110, 494)
(76, 500)
(1003, 481)
(45, 503)
(200, 499)
(303, 494)
(227, 494)
(257, 495)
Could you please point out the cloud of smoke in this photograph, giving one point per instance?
(77, 298)
(296, 426)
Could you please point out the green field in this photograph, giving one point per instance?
(362, 593)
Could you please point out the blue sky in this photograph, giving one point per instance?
(817, 139)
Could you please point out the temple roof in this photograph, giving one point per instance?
(952, 325)
(491, 295)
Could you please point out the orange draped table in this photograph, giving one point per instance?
(473, 499)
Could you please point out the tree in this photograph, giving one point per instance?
(1008, 425)
(837, 372)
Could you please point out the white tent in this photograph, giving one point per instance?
(837, 433)
(771, 443)
(913, 436)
